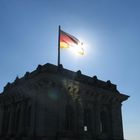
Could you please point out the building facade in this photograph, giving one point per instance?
(53, 103)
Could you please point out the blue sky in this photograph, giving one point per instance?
(110, 30)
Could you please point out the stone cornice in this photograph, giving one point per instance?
(59, 71)
(77, 76)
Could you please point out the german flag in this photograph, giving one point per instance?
(67, 41)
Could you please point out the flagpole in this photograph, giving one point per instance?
(59, 45)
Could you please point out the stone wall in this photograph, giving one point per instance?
(54, 103)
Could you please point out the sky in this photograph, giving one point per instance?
(109, 29)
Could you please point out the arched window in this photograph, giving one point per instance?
(103, 122)
(87, 120)
(69, 117)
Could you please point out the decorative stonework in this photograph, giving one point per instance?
(39, 106)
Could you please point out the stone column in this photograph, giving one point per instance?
(97, 119)
(1, 118)
(117, 128)
(33, 118)
(10, 120)
(93, 112)
(21, 121)
(79, 118)
(17, 120)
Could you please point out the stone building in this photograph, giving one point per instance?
(53, 103)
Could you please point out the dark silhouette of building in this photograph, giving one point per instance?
(53, 103)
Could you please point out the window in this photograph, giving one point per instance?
(87, 120)
(85, 128)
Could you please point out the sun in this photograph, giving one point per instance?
(78, 50)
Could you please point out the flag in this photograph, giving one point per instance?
(69, 41)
